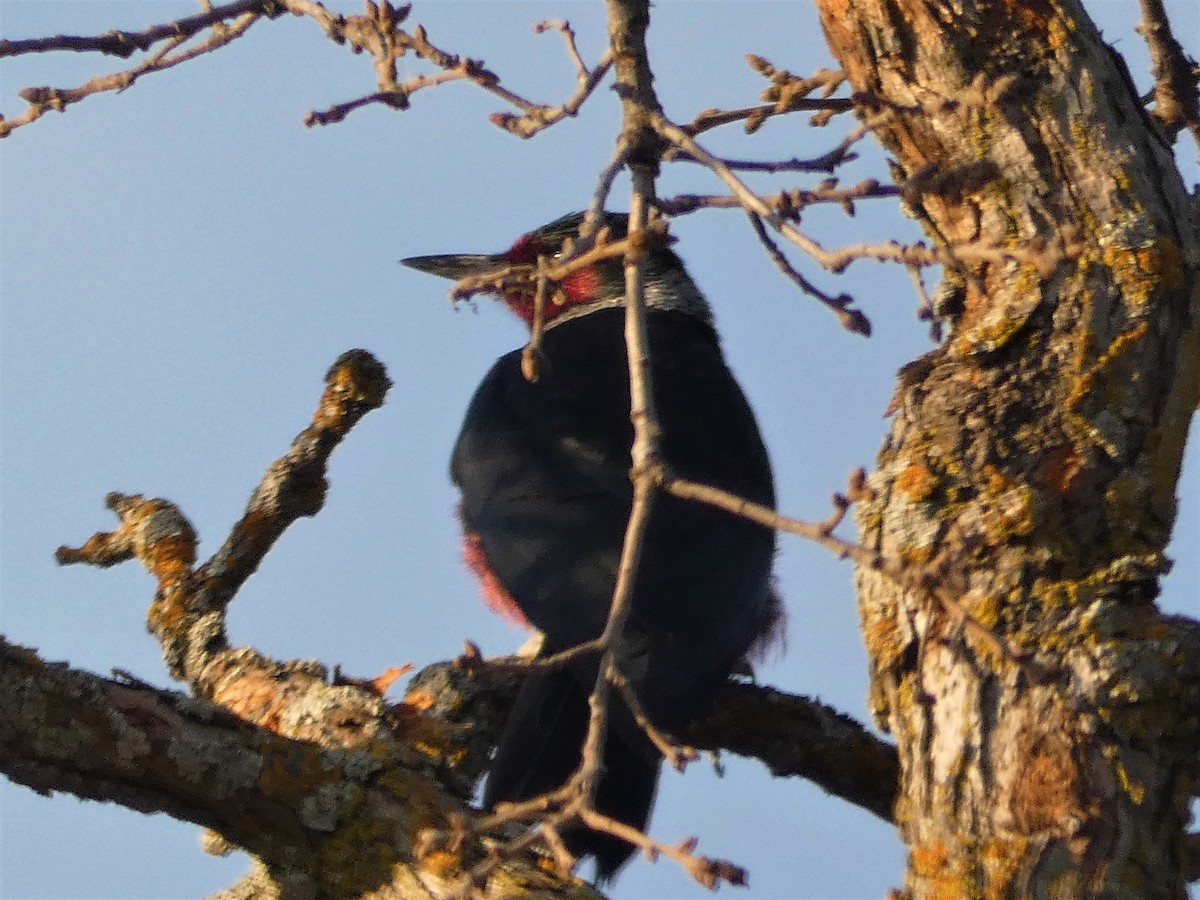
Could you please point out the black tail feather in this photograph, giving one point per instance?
(541, 748)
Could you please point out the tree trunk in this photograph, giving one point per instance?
(1032, 462)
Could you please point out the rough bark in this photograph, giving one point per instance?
(331, 789)
(1032, 461)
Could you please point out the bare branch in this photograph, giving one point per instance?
(786, 93)
(1176, 78)
(152, 751)
(708, 119)
(188, 613)
(676, 754)
(934, 581)
(563, 27)
(791, 202)
(537, 118)
(791, 735)
(44, 99)
(377, 32)
(794, 735)
(124, 43)
(707, 871)
(853, 320)
(301, 774)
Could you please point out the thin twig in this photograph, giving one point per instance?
(714, 118)
(922, 581)
(791, 202)
(604, 184)
(529, 354)
(644, 453)
(124, 43)
(706, 870)
(926, 311)
(787, 93)
(44, 99)
(540, 117)
(675, 753)
(563, 27)
(853, 320)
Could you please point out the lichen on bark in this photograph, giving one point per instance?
(1032, 462)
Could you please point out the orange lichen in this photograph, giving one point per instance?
(168, 613)
(442, 863)
(1141, 270)
(994, 480)
(930, 857)
(940, 870)
(254, 696)
(882, 641)
(917, 482)
(1125, 341)
(1003, 858)
(1162, 259)
(171, 558)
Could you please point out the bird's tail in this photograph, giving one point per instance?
(541, 748)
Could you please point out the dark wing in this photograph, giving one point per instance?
(543, 468)
(544, 472)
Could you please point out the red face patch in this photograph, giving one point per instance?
(580, 287)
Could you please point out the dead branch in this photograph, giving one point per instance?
(1176, 77)
(152, 751)
(188, 613)
(384, 747)
(44, 99)
(124, 43)
(540, 117)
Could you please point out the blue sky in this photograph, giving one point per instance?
(181, 263)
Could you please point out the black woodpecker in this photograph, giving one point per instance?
(543, 467)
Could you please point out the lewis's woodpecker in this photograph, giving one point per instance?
(543, 466)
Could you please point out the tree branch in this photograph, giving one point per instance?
(792, 736)
(336, 819)
(124, 43)
(188, 612)
(1176, 78)
(44, 99)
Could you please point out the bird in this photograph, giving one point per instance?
(543, 469)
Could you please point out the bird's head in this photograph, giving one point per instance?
(596, 285)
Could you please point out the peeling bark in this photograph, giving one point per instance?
(1032, 461)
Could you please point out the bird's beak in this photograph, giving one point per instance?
(456, 265)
